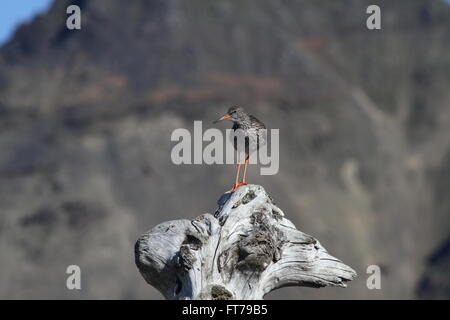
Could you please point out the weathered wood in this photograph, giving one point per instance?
(245, 250)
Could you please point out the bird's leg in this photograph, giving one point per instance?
(245, 172)
(244, 182)
(236, 182)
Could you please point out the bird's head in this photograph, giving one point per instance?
(235, 114)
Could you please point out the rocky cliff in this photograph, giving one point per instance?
(86, 118)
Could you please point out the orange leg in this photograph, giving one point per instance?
(244, 182)
(236, 182)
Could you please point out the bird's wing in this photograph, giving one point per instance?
(256, 123)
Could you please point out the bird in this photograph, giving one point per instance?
(254, 132)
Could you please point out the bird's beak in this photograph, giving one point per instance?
(225, 117)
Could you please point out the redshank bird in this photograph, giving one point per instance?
(254, 132)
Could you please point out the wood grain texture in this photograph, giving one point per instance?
(245, 250)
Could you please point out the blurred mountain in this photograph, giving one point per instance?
(435, 283)
(86, 118)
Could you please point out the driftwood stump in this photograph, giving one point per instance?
(245, 250)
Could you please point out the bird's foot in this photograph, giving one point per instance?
(241, 184)
(236, 185)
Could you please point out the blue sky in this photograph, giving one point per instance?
(15, 12)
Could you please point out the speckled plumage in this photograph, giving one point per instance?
(252, 128)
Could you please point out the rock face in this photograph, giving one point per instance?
(86, 118)
(247, 249)
(435, 282)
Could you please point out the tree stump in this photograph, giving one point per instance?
(245, 250)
